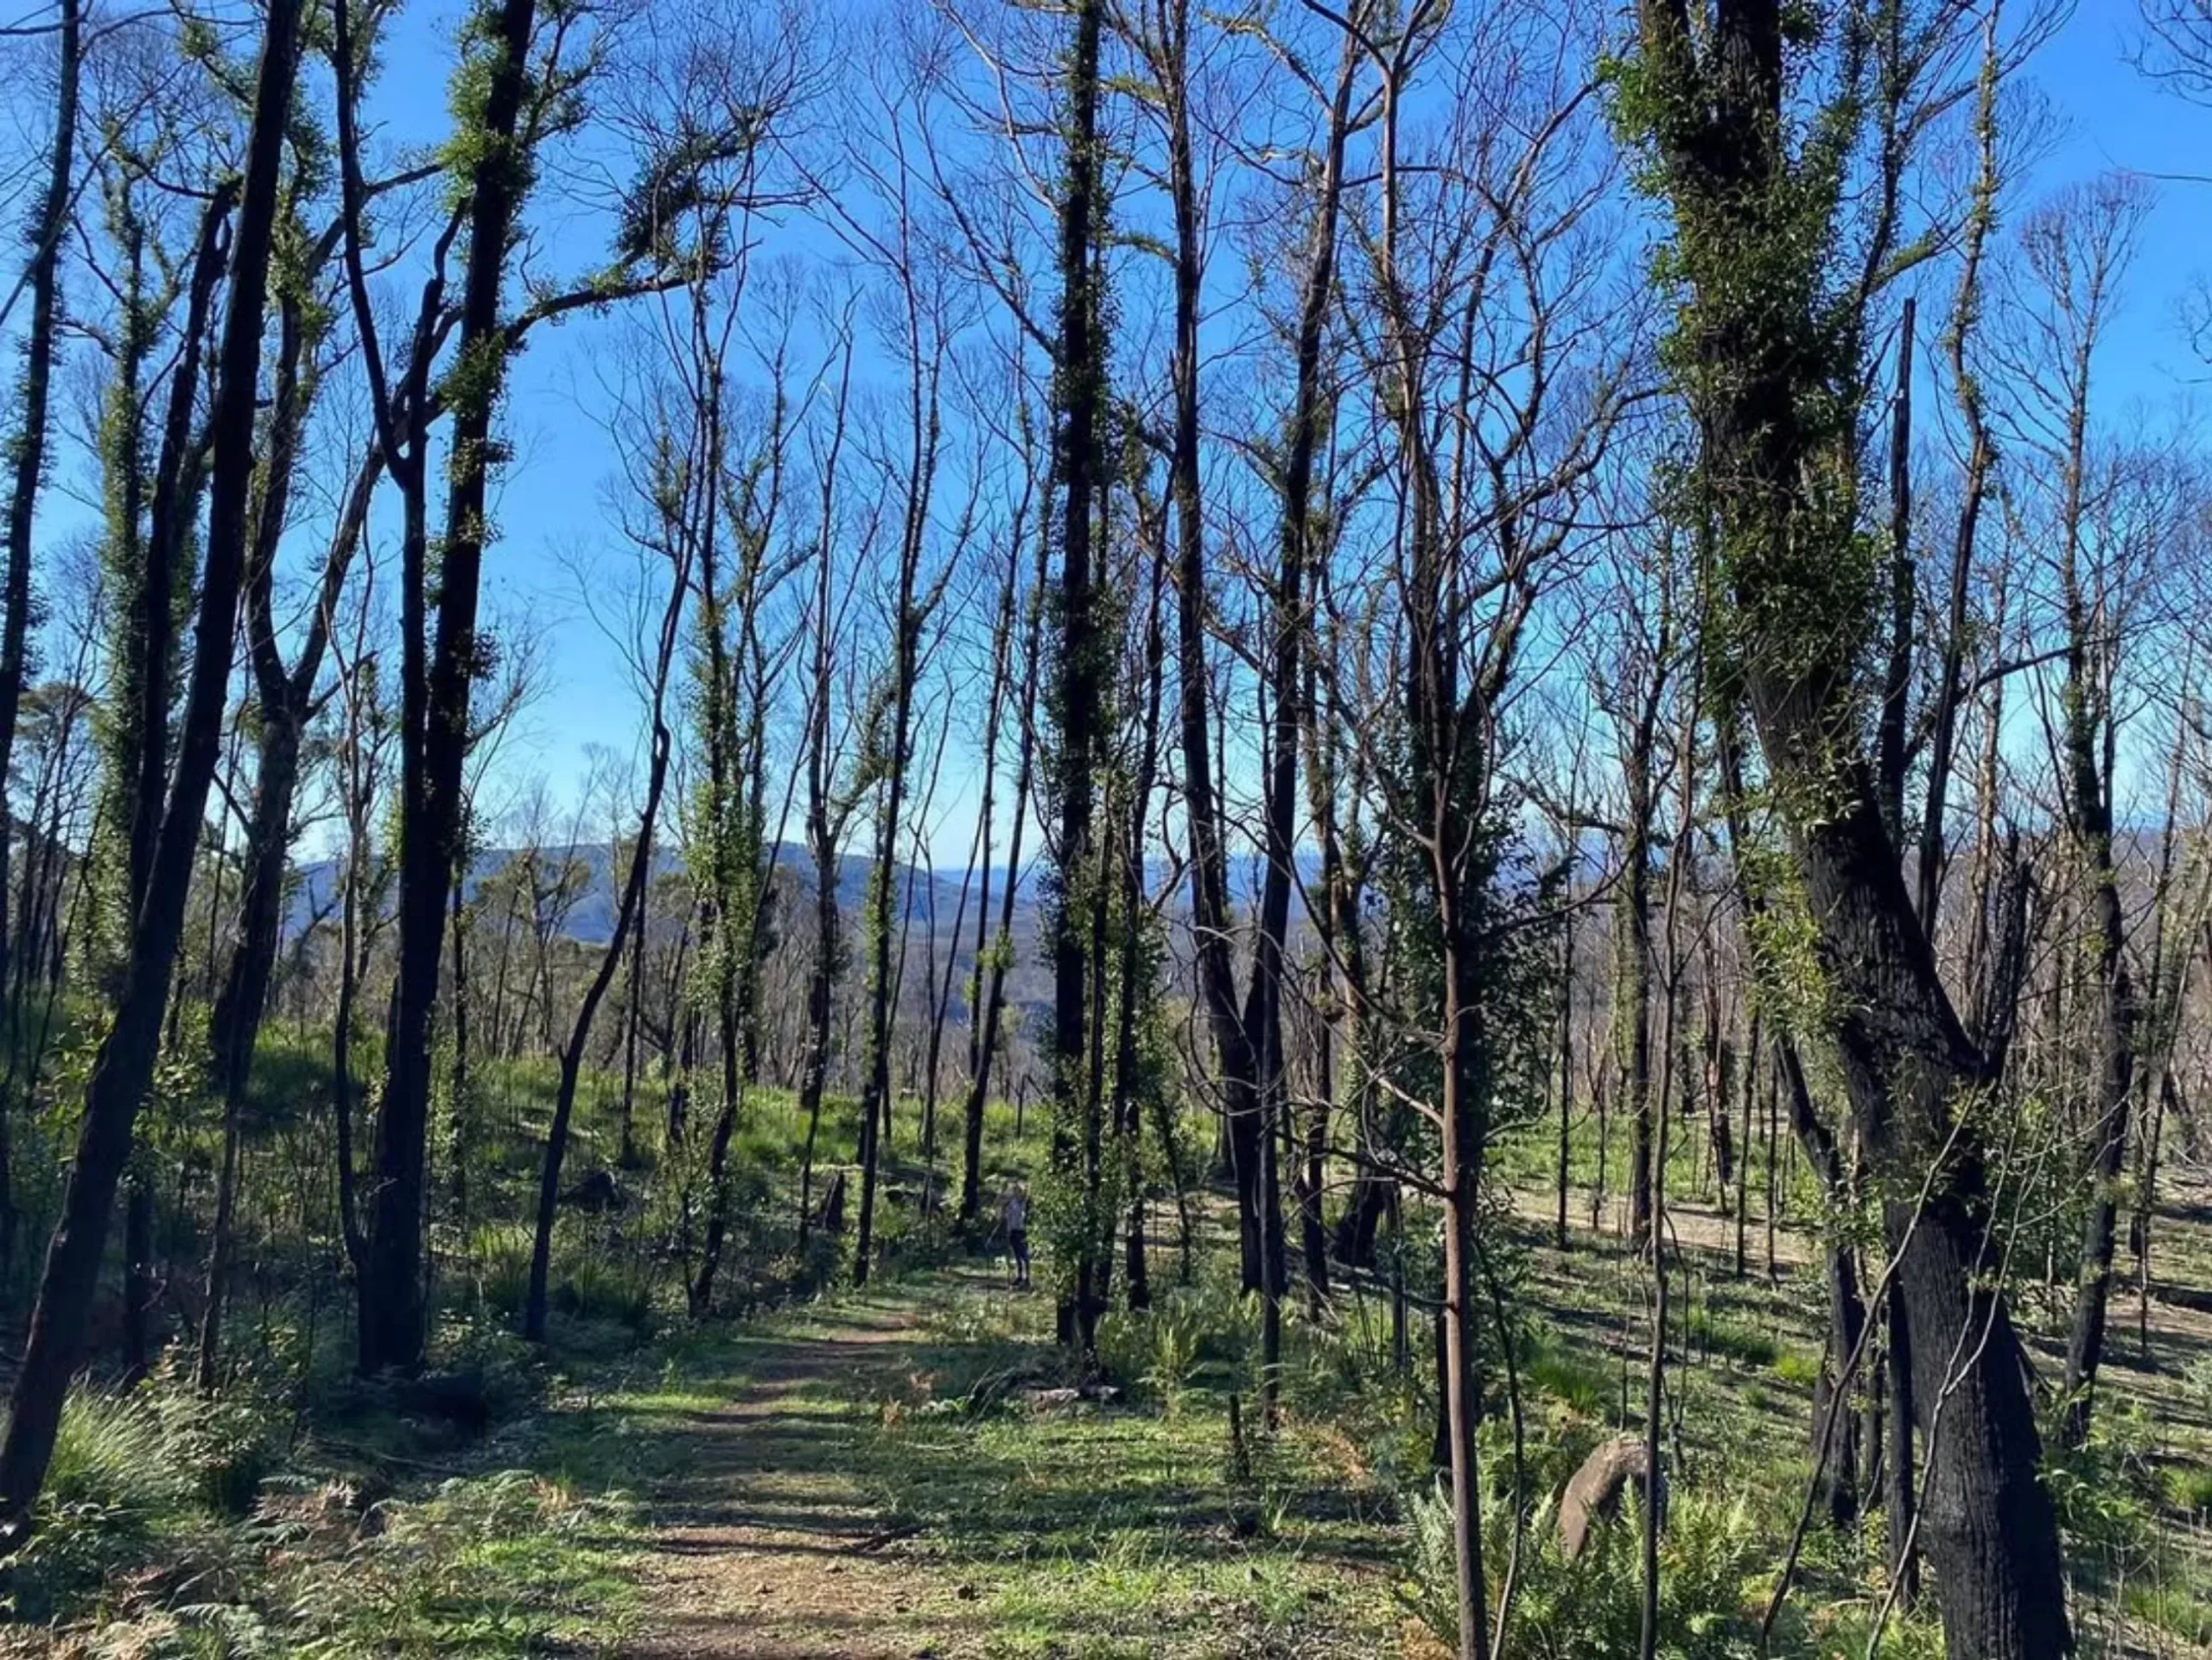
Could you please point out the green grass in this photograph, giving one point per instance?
(304, 1512)
(1120, 1529)
(1136, 1529)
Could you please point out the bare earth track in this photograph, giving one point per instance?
(898, 1475)
(765, 1545)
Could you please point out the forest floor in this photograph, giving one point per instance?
(890, 1473)
(903, 1471)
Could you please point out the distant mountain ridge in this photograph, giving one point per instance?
(591, 920)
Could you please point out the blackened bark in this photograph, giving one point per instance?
(1632, 965)
(1824, 1158)
(1900, 1470)
(1892, 755)
(1292, 622)
(912, 616)
(27, 450)
(2089, 810)
(1078, 396)
(1566, 1061)
(148, 685)
(984, 1006)
(1210, 938)
(286, 701)
(825, 822)
(629, 915)
(1981, 459)
(141, 1278)
(1988, 1524)
(633, 1010)
(435, 713)
(123, 1069)
(1136, 969)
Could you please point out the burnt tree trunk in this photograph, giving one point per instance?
(26, 452)
(1773, 415)
(435, 702)
(123, 1069)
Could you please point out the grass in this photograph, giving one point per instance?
(304, 1513)
(1119, 1530)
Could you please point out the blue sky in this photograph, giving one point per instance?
(550, 509)
(2104, 115)
(2112, 117)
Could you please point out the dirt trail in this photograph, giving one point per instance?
(765, 1545)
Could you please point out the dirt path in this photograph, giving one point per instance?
(766, 1543)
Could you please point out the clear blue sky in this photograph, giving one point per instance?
(549, 507)
(2110, 117)
(2105, 115)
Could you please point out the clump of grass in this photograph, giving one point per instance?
(2176, 1610)
(2188, 1488)
(114, 1491)
(1732, 1339)
(1797, 1367)
(1574, 1383)
(495, 1565)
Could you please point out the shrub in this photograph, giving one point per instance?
(113, 1489)
(1207, 1334)
(2104, 1491)
(1798, 1368)
(1714, 1566)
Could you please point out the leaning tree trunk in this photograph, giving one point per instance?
(985, 1048)
(123, 1069)
(628, 916)
(971, 1163)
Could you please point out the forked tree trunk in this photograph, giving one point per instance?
(435, 692)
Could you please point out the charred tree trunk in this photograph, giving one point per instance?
(629, 914)
(1211, 937)
(1002, 650)
(910, 621)
(26, 452)
(1773, 412)
(1079, 398)
(123, 1069)
(436, 698)
(1002, 957)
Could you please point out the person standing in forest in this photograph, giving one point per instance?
(1014, 1217)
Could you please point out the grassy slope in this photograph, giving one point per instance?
(1130, 1530)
